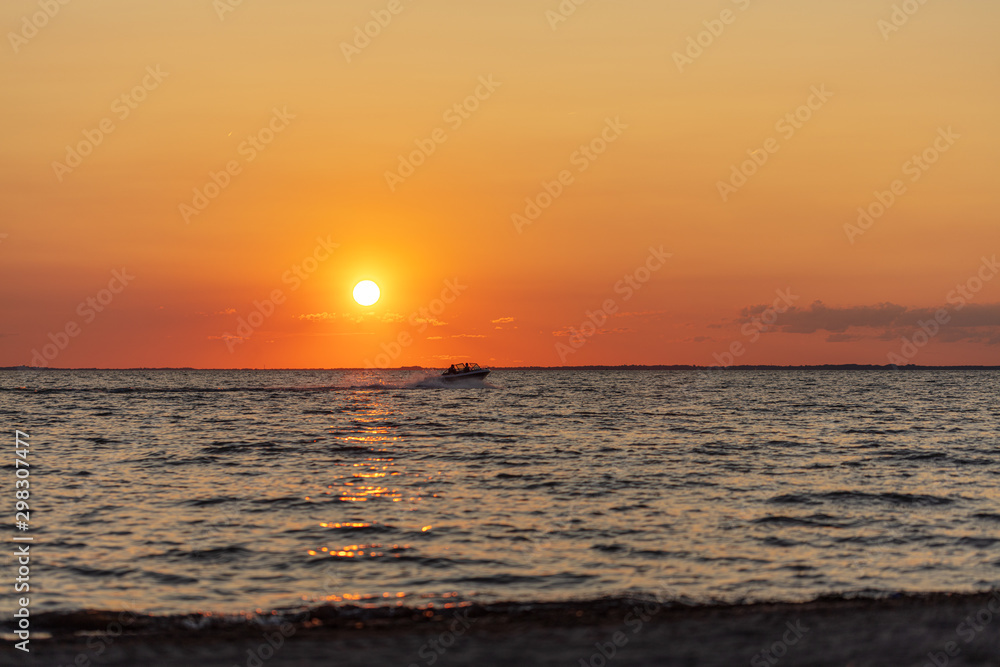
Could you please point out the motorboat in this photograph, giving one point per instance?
(462, 371)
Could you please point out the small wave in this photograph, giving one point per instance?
(773, 541)
(97, 440)
(168, 578)
(793, 499)
(861, 497)
(978, 542)
(796, 521)
(875, 431)
(907, 455)
(99, 573)
(208, 502)
(216, 555)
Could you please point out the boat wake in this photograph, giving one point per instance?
(435, 381)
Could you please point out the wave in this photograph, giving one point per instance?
(422, 614)
(860, 497)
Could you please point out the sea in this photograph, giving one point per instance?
(173, 492)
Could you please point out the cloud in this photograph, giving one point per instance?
(977, 323)
(819, 317)
(502, 320)
(357, 318)
(563, 333)
(468, 336)
(317, 317)
(844, 338)
(429, 320)
(226, 337)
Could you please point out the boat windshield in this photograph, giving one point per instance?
(462, 368)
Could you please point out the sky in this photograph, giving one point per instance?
(202, 183)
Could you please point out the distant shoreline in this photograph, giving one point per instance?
(627, 367)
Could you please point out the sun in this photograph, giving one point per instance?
(366, 293)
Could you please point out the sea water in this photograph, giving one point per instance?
(178, 491)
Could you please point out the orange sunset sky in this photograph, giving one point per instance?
(688, 161)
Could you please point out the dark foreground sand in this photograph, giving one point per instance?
(919, 630)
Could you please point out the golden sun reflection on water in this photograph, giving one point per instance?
(365, 480)
(372, 431)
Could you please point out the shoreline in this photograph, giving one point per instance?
(900, 630)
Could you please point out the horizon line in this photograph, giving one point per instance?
(848, 366)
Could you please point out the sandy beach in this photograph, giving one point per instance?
(936, 630)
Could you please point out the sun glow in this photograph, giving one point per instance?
(366, 293)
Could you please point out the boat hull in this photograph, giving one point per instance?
(478, 375)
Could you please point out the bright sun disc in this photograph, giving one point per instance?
(366, 293)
